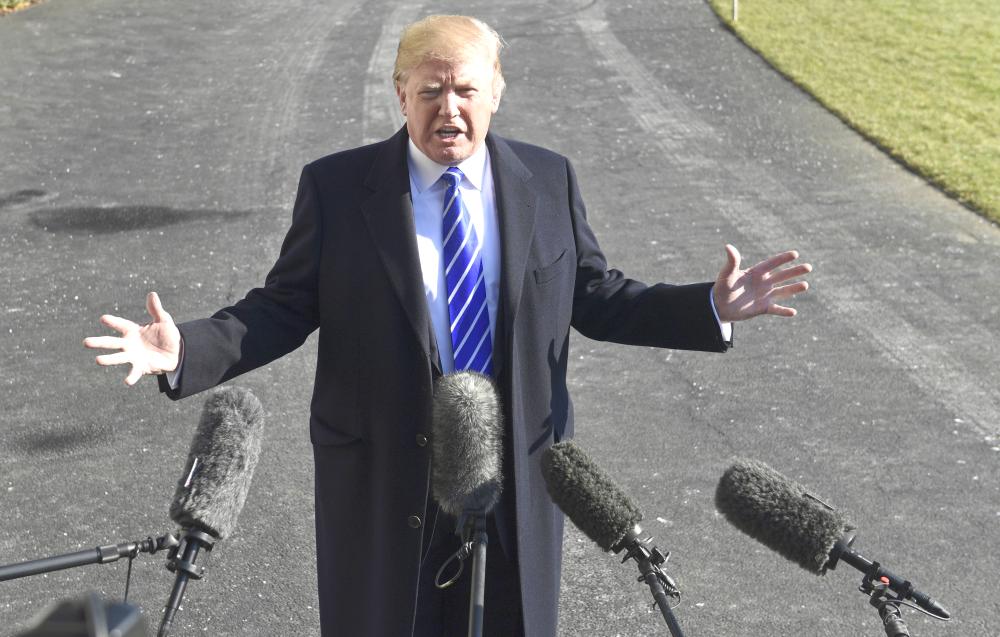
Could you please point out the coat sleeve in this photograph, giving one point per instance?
(607, 306)
(271, 320)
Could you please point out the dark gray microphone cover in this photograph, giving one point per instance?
(592, 501)
(467, 443)
(221, 462)
(780, 513)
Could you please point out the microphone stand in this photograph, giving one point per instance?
(471, 528)
(887, 606)
(98, 555)
(476, 529)
(660, 584)
(886, 590)
(181, 560)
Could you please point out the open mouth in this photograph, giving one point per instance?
(448, 132)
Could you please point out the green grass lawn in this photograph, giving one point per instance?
(6, 6)
(921, 78)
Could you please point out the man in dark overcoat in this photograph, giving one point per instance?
(366, 261)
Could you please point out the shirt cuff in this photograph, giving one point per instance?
(174, 377)
(726, 329)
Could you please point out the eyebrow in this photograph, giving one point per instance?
(458, 83)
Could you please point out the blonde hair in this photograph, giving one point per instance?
(447, 38)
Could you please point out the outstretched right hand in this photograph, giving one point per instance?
(152, 348)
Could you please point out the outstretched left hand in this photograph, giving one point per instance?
(742, 294)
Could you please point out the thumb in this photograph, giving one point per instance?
(155, 308)
(732, 262)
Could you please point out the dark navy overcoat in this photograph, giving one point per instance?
(349, 267)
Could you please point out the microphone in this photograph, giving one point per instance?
(785, 517)
(607, 516)
(587, 495)
(214, 487)
(466, 472)
(467, 444)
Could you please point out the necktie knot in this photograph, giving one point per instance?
(452, 177)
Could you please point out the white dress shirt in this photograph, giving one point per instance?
(427, 193)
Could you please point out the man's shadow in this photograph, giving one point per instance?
(555, 425)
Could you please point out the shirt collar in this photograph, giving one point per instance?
(425, 172)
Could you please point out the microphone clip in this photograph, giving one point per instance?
(471, 529)
(887, 594)
(649, 558)
(885, 601)
(182, 556)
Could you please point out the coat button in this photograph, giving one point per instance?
(413, 521)
(421, 440)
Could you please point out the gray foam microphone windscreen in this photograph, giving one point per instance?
(221, 462)
(467, 443)
(780, 513)
(583, 492)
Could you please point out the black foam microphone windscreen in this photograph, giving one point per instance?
(584, 493)
(780, 513)
(467, 443)
(221, 462)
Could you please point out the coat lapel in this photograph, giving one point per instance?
(516, 209)
(389, 215)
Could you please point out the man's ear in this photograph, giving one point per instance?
(401, 94)
(496, 102)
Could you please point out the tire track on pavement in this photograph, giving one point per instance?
(297, 65)
(382, 117)
(694, 148)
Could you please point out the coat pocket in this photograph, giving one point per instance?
(326, 435)
(546, 273)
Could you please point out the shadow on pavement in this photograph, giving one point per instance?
(122, 218)
(19, 197)
(62, 440)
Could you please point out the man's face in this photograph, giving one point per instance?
(448, 107)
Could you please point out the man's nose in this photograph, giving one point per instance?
(449, 104)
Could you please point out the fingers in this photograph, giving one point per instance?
(133, 376)
(118, 358)
(781, 310)
(134, 343)
(742, 294)
(155, 308)
(776, 261)
(786, 291)
(104, 342)
(769, 273)
(118, 324)
(788, 273)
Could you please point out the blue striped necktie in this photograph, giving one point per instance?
(463, 271)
